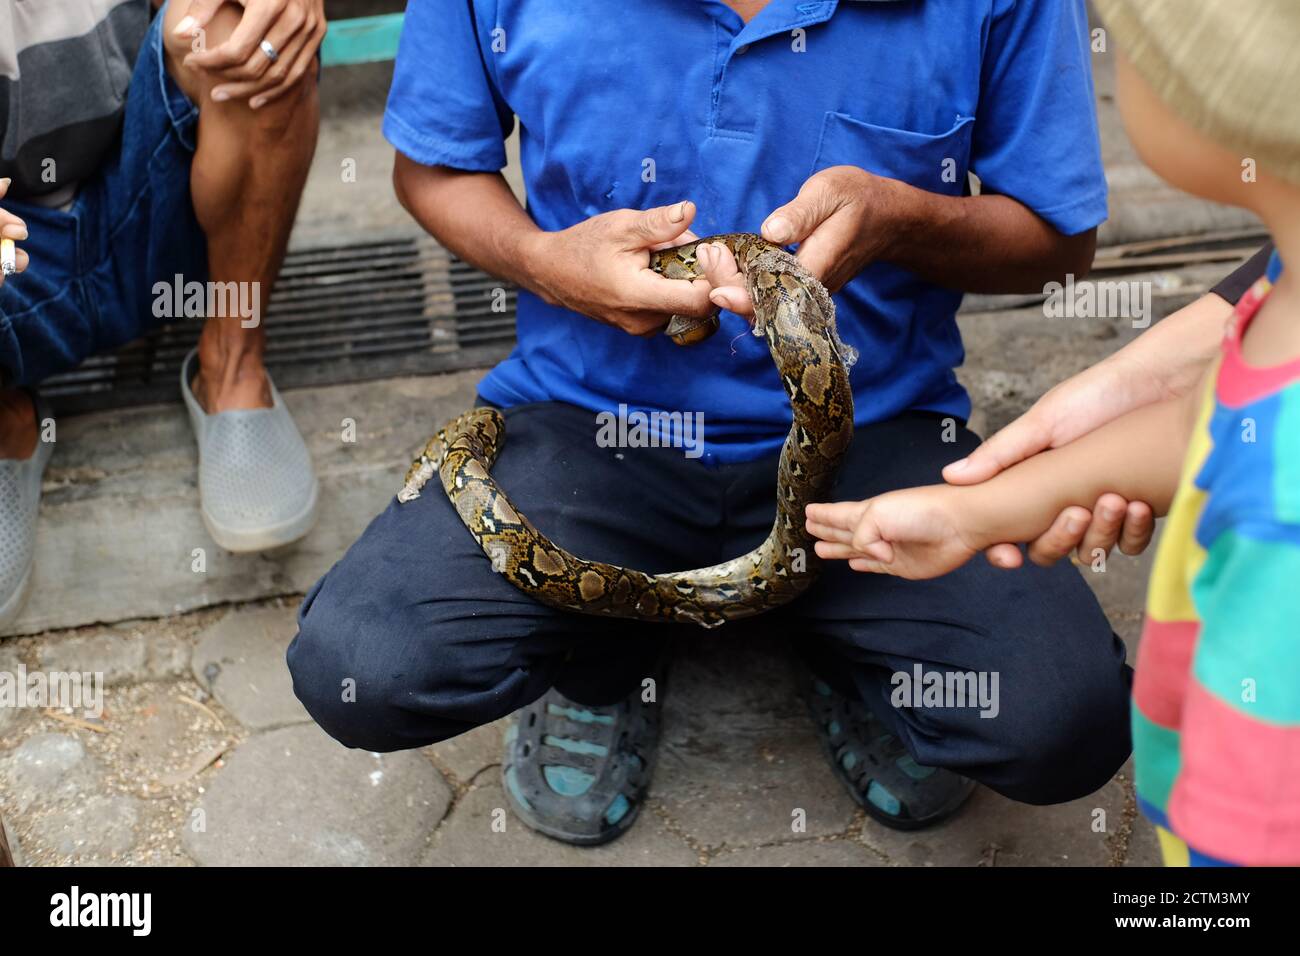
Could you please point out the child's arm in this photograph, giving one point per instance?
(925, 532)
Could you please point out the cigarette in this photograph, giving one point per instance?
(8, 257)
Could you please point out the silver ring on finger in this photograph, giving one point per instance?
(269, 50)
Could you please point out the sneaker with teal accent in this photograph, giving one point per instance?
(876, 768)
(578, 773)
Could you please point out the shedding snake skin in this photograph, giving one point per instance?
(795, 314)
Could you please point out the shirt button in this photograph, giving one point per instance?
(742, 49)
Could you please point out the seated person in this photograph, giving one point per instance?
(138, 148)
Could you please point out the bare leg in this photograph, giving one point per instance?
(246, 180)
(18, 430)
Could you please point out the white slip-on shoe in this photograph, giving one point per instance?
(20, 504)
(257, 489)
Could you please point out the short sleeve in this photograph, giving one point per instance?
(443, 107)
(1036, 129)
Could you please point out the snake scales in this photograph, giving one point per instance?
(793, 311)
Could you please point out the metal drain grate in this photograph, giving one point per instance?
(400, 306)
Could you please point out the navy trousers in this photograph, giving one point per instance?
(412, 638)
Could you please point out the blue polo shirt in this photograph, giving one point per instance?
(634, 105)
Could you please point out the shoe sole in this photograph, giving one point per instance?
(530, 820)
(245, 540)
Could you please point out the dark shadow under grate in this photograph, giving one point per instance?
(402, 306)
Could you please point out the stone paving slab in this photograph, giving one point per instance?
(120, 658)
(481, 831)
(739, 757)
(294, 797)
(240, 659)
(994, 831)
(465, 757)
(45, 768)
(803, 853)
(95, 831)
(1143, 845)
(10, 717)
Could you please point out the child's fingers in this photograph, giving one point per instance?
(829, 532)
(869, 566)
(838, 514)
(835, 551)
(868, 539)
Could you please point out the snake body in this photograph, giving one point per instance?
(795, 314)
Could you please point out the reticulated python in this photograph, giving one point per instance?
(793, 311)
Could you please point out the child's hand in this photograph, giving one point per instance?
(915, 533)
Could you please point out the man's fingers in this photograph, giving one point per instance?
(272, 80)
(1139, 524)
(719, 265)
(1061, 538)
(197, 16)
(1022, 438)
(288, 36)
(725, 277)
(21, 262)
(291, 82)
(648, 291)
(11, 227)
(644, 324)
(660, 224)
(733, 299)
(797, 219)
(678, 240)
(1103, 530)
(245, 40)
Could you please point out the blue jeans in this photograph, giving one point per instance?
(438, 643)
(93, 268)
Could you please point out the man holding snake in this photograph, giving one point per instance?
(847, 129)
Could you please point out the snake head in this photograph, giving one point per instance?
(689, 330)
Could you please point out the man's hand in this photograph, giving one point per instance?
(293, 28)
(601, 268)
(916, 533)
(11, 227)
(839, 219)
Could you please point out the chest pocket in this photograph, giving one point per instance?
(936, 163)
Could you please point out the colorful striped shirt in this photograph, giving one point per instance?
(1216, 700)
